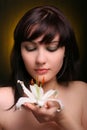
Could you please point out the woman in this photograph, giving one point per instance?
(44, 47)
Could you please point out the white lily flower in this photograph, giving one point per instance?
(34, 95)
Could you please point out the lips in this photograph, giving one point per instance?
(41, 71)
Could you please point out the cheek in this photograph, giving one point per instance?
(58, 62)
(28, 61)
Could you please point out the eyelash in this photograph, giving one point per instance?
(50, 49)
(30, 49)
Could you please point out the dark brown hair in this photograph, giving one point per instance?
(47, 21)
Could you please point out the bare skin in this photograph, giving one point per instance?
(73, 95)
(72, 117)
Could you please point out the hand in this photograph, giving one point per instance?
(49, 113)
(46, 113)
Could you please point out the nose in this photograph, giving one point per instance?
(41, 57)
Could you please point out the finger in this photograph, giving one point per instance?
(56, 102)
(50, 104)
(61, 106)
(30, 106)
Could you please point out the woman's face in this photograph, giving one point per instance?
(42, 60)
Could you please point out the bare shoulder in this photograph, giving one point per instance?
(79, 86)
(78, 90)
(81, 89)
(6, 97)
(6, 101)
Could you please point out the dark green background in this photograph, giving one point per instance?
(12, 10)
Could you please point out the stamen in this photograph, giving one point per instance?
(43, 81)
(32, 82)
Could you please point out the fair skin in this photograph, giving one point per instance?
(45, 63)
(43, 60)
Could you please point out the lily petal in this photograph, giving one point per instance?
(26, 91)
(36, 91)
(41, 102)
(33, 89)
(23, 100)
(35, 95)
(48, 94)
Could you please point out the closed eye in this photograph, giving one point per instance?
(30, 48)
(52, 47)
